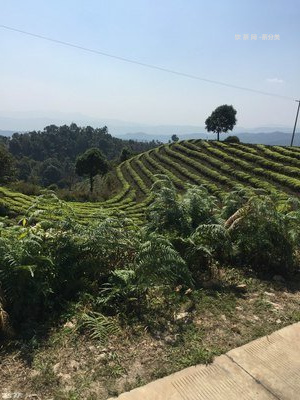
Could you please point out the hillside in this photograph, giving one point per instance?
(48, 157)
(102, 299)
(218, 166)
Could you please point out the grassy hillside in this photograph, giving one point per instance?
(92, 306)
(220, 167)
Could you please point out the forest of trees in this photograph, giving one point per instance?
(48, 157)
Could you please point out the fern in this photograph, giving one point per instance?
(263, 236)
(157, 262)
(100, 327)
(121, 287)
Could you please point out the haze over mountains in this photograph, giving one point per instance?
(20, 122)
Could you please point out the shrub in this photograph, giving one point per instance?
(26, 188)
(263, 236)
(180, 215)
(27, 272)
(45, 264)
(232, 139)
(167, 213)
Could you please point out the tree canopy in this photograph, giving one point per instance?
(125, 154)
(91, 163)
(59, 146)
(222, 119)
(6, 165)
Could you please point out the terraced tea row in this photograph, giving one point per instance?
(218, 166)
(222, 167)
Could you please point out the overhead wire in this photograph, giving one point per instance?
(143, 64)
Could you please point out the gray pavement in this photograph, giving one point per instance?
(264, 369)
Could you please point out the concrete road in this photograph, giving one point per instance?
(264, 369)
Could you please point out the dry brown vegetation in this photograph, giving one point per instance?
(207, 321)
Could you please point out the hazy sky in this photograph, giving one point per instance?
(193, 36)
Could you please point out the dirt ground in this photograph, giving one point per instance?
(206, 322)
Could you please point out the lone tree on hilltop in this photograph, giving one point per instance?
(174, 138)
(91, 163)
(221, 120)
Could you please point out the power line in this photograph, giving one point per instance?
(152, 66)
(294, 130)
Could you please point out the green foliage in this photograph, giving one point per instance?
(211, 175)
(166, 212)
(180, 214)
(100, 326)
(26, 188)
(27, 272)
(264, 237)
(7, 165)
(122, 293)
(235, 200)
(50, 172)
(67, 142)
(260, 231)
(232, 139)
(50, 262)
(59, 146)
(125, 154)
(108, 246)
(238, 214)
(214, 240)
(174, 138)
(91, 163)
(157, 262)
(222, 119)
(200, 205)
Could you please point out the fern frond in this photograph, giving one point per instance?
(100, 327)
(158, 262)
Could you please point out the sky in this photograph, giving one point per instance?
(190, 36)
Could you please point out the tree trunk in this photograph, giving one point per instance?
(218, 136)
(91, 183)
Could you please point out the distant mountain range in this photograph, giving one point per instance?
(6, 133)
(275, 138)
(21, 122)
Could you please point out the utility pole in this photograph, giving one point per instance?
(298, 101)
